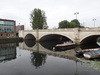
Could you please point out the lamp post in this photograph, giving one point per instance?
(76, 14)
(94, 21)
(78, 29)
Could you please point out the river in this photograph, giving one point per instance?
(30, 58)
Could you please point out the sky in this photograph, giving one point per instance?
(55, 11)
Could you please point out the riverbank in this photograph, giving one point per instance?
(10, 40)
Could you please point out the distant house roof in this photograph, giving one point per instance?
(6, 20)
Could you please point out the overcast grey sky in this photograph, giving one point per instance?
(56, 11)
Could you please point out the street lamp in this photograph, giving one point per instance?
(94, 21)
(76, 14)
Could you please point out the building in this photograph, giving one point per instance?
(7, 28)
(19, 27)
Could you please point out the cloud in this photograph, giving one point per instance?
(56, 10)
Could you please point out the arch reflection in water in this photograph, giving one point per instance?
(38, 48)
(90, 45)
(50, 44)
(38, 59)
(7, 52)
(30, 43)
(46, 44)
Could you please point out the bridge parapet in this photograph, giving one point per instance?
(89, 29)
(66, 29)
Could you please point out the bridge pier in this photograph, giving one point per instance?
(77, 41)
(37, 37)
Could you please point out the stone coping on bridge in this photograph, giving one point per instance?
(68, 29)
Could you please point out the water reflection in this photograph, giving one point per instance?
(38, 59)
(76, 73)
(50, 44)
(40, 51)
(90, 45)
(7, 52)
(30, 43)
(46, 44)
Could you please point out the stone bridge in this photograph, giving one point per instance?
(77, 35)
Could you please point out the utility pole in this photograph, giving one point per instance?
(94, 21)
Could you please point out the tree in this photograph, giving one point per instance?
(73, 25)
(75, 22)
(64, 24)
(38, 19)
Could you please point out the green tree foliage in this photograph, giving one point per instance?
(38, 19)
(64, 24)
(76, 22)
(73, 24)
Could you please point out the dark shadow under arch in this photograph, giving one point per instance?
(54, 37)
(90, 39)
(49, 41)
(30, 37)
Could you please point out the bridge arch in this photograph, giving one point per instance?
(55, 37)
(89, 39)
(30, 37)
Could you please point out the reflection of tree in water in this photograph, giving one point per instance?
(38, 59)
